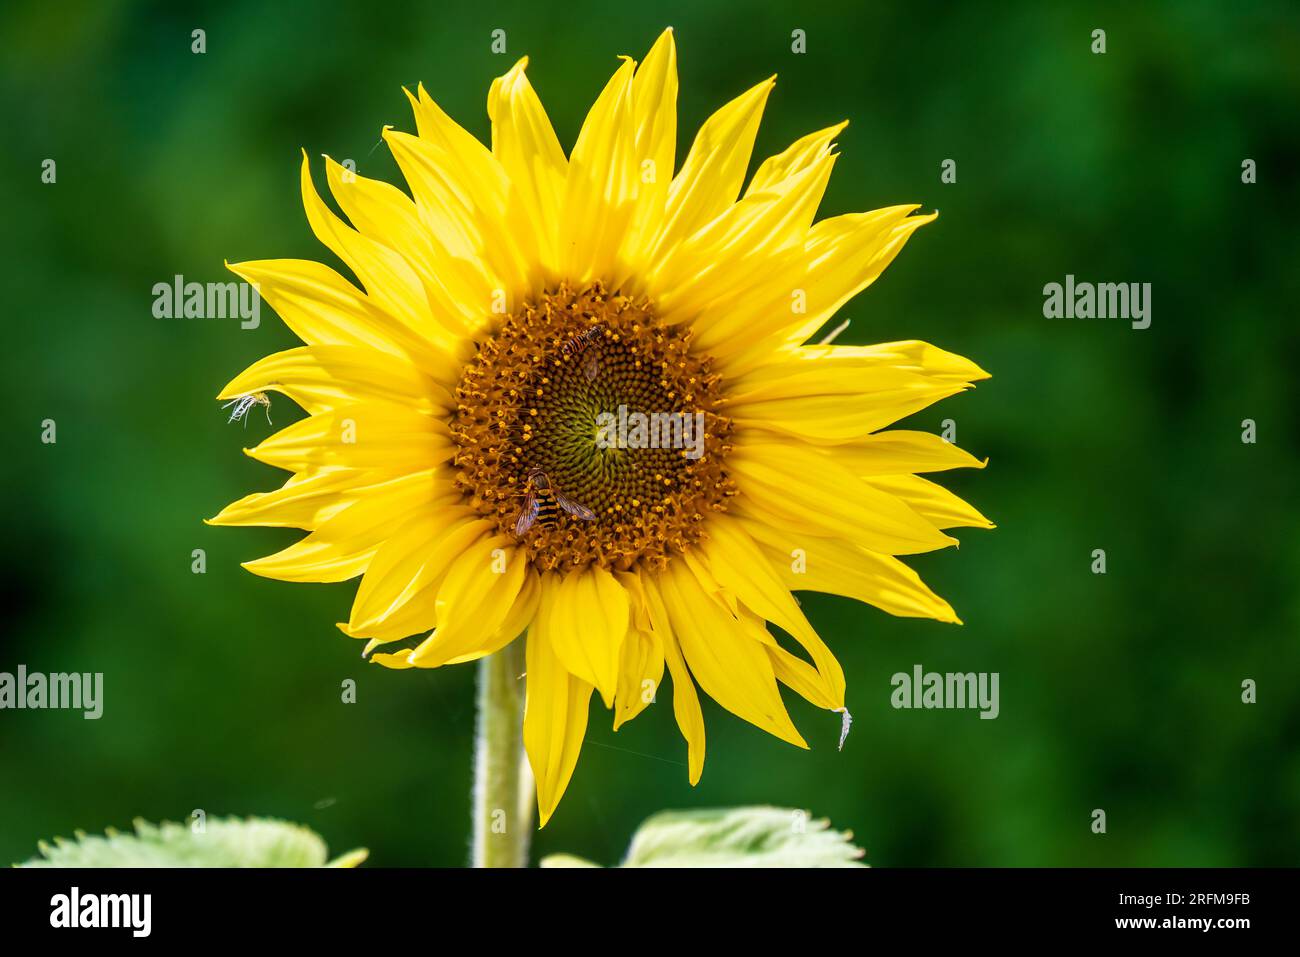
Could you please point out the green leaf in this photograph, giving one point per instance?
(741, 837)
(222, 842)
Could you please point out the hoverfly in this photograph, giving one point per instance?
(577, 344)
(541, 501)
(244, 403)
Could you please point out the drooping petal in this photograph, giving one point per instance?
(686, 701)
(555, 715)
(520, 615)
(589, 620)
(641, 665)
(641, 668)
(801, 677)
(517, 619)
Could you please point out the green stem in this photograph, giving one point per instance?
(503, 782)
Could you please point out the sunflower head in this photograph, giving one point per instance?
(529, 412)
(517, 305)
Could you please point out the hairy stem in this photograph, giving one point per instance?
(503, 782)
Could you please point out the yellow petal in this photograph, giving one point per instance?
(640, 671)
(710, 178)
(343, 545)
(602, 184)
(396, 660)
(526, 146)
(900, 451)
(555, 720)
(654, 104)
(461, 191)
(741, 567)
(811, 563)
(910, 355)
(472, 172)
(519, 616)
(304, 501)
(801, 678)
(324, 309)
(934, 502)
(444, 208)
(849, 252)
(388, 279)
(456, 290)
(808, 489)
(686, 702)
(789, 670)
(738, 250)
(794, 159)
(841, 256)
(834, 419)
(587, 625)
(369, 435)
(729, 664)
(639, 613)
(396, 596)
(321, 378)
(522, 612)
(842, 370)
(473, 600)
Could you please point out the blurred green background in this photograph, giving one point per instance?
(1119, 692)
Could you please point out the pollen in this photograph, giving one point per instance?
(575, 354)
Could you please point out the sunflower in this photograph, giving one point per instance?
(450, 458)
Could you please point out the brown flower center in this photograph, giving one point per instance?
(587, 430)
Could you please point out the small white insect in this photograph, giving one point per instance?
(244, 403)
(846, 722)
